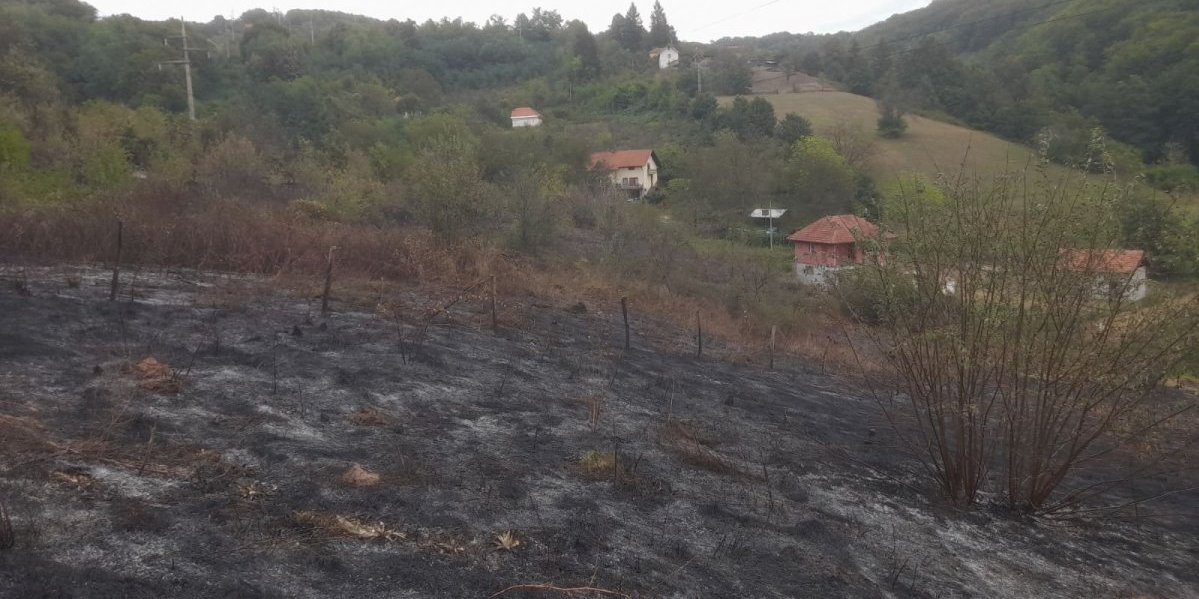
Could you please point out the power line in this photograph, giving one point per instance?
(187, 65)
(738, 15)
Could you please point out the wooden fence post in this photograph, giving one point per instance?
(624, 310)
(699, 336)
(495, 323)
(328, 281)
(773, 330)
(116, 265)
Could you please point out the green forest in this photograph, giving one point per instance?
(1033, 71)
(327, 117)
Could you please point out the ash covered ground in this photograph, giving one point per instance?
(227, 469)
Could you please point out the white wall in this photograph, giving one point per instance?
(526, 121)
(668, 58)
(647, 175)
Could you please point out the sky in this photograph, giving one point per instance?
(695, 20)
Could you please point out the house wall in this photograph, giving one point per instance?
(1138, 286)
(646, 175)
(526, 121)
(667, 58)
(809, 274)
(1134, 287)
(820, 254)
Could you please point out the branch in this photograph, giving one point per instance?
(557, 589)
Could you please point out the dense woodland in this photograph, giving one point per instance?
(340, 118)
(1031, 71)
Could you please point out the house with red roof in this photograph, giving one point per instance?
(830, 244)
(523, 116)
(635, 172)
(1118, 274)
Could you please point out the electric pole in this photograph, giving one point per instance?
(187, 66)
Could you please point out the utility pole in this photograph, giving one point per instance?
(187, 66)
(699, 73)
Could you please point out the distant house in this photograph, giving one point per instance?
(525, 117)
(635, 172)
(1118, 274)
(667, 57)
(830, 244)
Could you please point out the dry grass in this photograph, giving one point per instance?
(156, 377)
(693, 448)
(929, 147)
(597, 464)
(357, 476)
(336, 525)
(506, 541)
(372, 262)
(371, 417)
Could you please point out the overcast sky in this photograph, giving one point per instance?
(695, 20)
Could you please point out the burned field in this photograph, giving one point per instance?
(213, 436)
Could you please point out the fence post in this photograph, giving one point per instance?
(699, 336)
(773, 330)
(495, 323)
(116, 265)
(624, 310)
(328, 281)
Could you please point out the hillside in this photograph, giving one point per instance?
(929, 146)
(221, 471)
(966, 26)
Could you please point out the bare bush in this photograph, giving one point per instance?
(8, 537)
(1010, 361)
(852, 141)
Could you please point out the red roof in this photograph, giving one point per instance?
(841, 228)
(621, 159)
(524, 111)
(1105, 261)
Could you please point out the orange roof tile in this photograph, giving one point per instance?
(840, 228)
(1105, 261)
(524, 111)
(621, 159)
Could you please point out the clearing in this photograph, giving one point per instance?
(929, 147)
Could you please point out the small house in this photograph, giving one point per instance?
(634, 172)
(830, 244)
(525, 117)
(1118, 274)
(667, 57)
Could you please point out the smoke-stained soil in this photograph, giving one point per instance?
(649, 473)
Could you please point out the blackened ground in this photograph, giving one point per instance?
(728, 481)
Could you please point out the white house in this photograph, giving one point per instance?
(633, 171)
(667, 57)
(525, 117)
(1117, 273)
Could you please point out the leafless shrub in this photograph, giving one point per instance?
(595, 405)
(1005, 355)
(852, 141)
(682, 439)
(8, 537)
